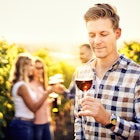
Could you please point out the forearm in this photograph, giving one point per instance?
(38, 103)
(67, 94)
(127, 129)
(130, 128)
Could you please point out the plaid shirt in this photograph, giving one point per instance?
(119, 92)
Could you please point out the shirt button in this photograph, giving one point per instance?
(101, 86)
(96, 133)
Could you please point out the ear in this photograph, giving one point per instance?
(118, 33)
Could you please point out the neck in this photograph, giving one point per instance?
(107, 61)
(103, 64)
(37, 81)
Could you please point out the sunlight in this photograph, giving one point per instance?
(62, 55)
(56, 22)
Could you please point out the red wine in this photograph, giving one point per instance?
(84, 85)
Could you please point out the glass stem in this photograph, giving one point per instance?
(85, 93)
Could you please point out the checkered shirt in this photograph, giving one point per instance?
(119, 92)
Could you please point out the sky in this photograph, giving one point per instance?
(60, 21)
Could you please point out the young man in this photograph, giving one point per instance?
(112, 111)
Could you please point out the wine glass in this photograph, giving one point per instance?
(84, 77)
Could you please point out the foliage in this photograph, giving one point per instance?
(44, 54)
(56, 67)
(8, 52)
(68, 71)
(132, 51)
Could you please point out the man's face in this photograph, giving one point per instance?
(85, 54)
(102, 37)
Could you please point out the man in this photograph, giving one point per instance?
(112, 111)
(85, 54)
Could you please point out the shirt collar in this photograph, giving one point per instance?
(120, 63)
(90, 61)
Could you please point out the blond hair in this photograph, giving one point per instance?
(44, 79)
(103, 11)
(19, 68)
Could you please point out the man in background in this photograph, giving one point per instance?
(86, 57)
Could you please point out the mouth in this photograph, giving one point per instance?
(99, 48)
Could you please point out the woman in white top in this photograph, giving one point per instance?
(25, 100)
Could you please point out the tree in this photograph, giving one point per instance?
(131, 50)
(8, 52)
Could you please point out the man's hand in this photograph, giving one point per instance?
(60, 88)
(93, 107)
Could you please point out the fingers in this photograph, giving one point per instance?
(85, 113)
(59, 88)
(89, 106)
(87, 99)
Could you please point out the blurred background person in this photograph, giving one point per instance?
(85, 54)
(39, 83)
(25, 100)
(86, 57)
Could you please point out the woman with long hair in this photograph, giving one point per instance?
(39, 84)
(25, 100)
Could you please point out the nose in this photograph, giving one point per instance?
(97, 39)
